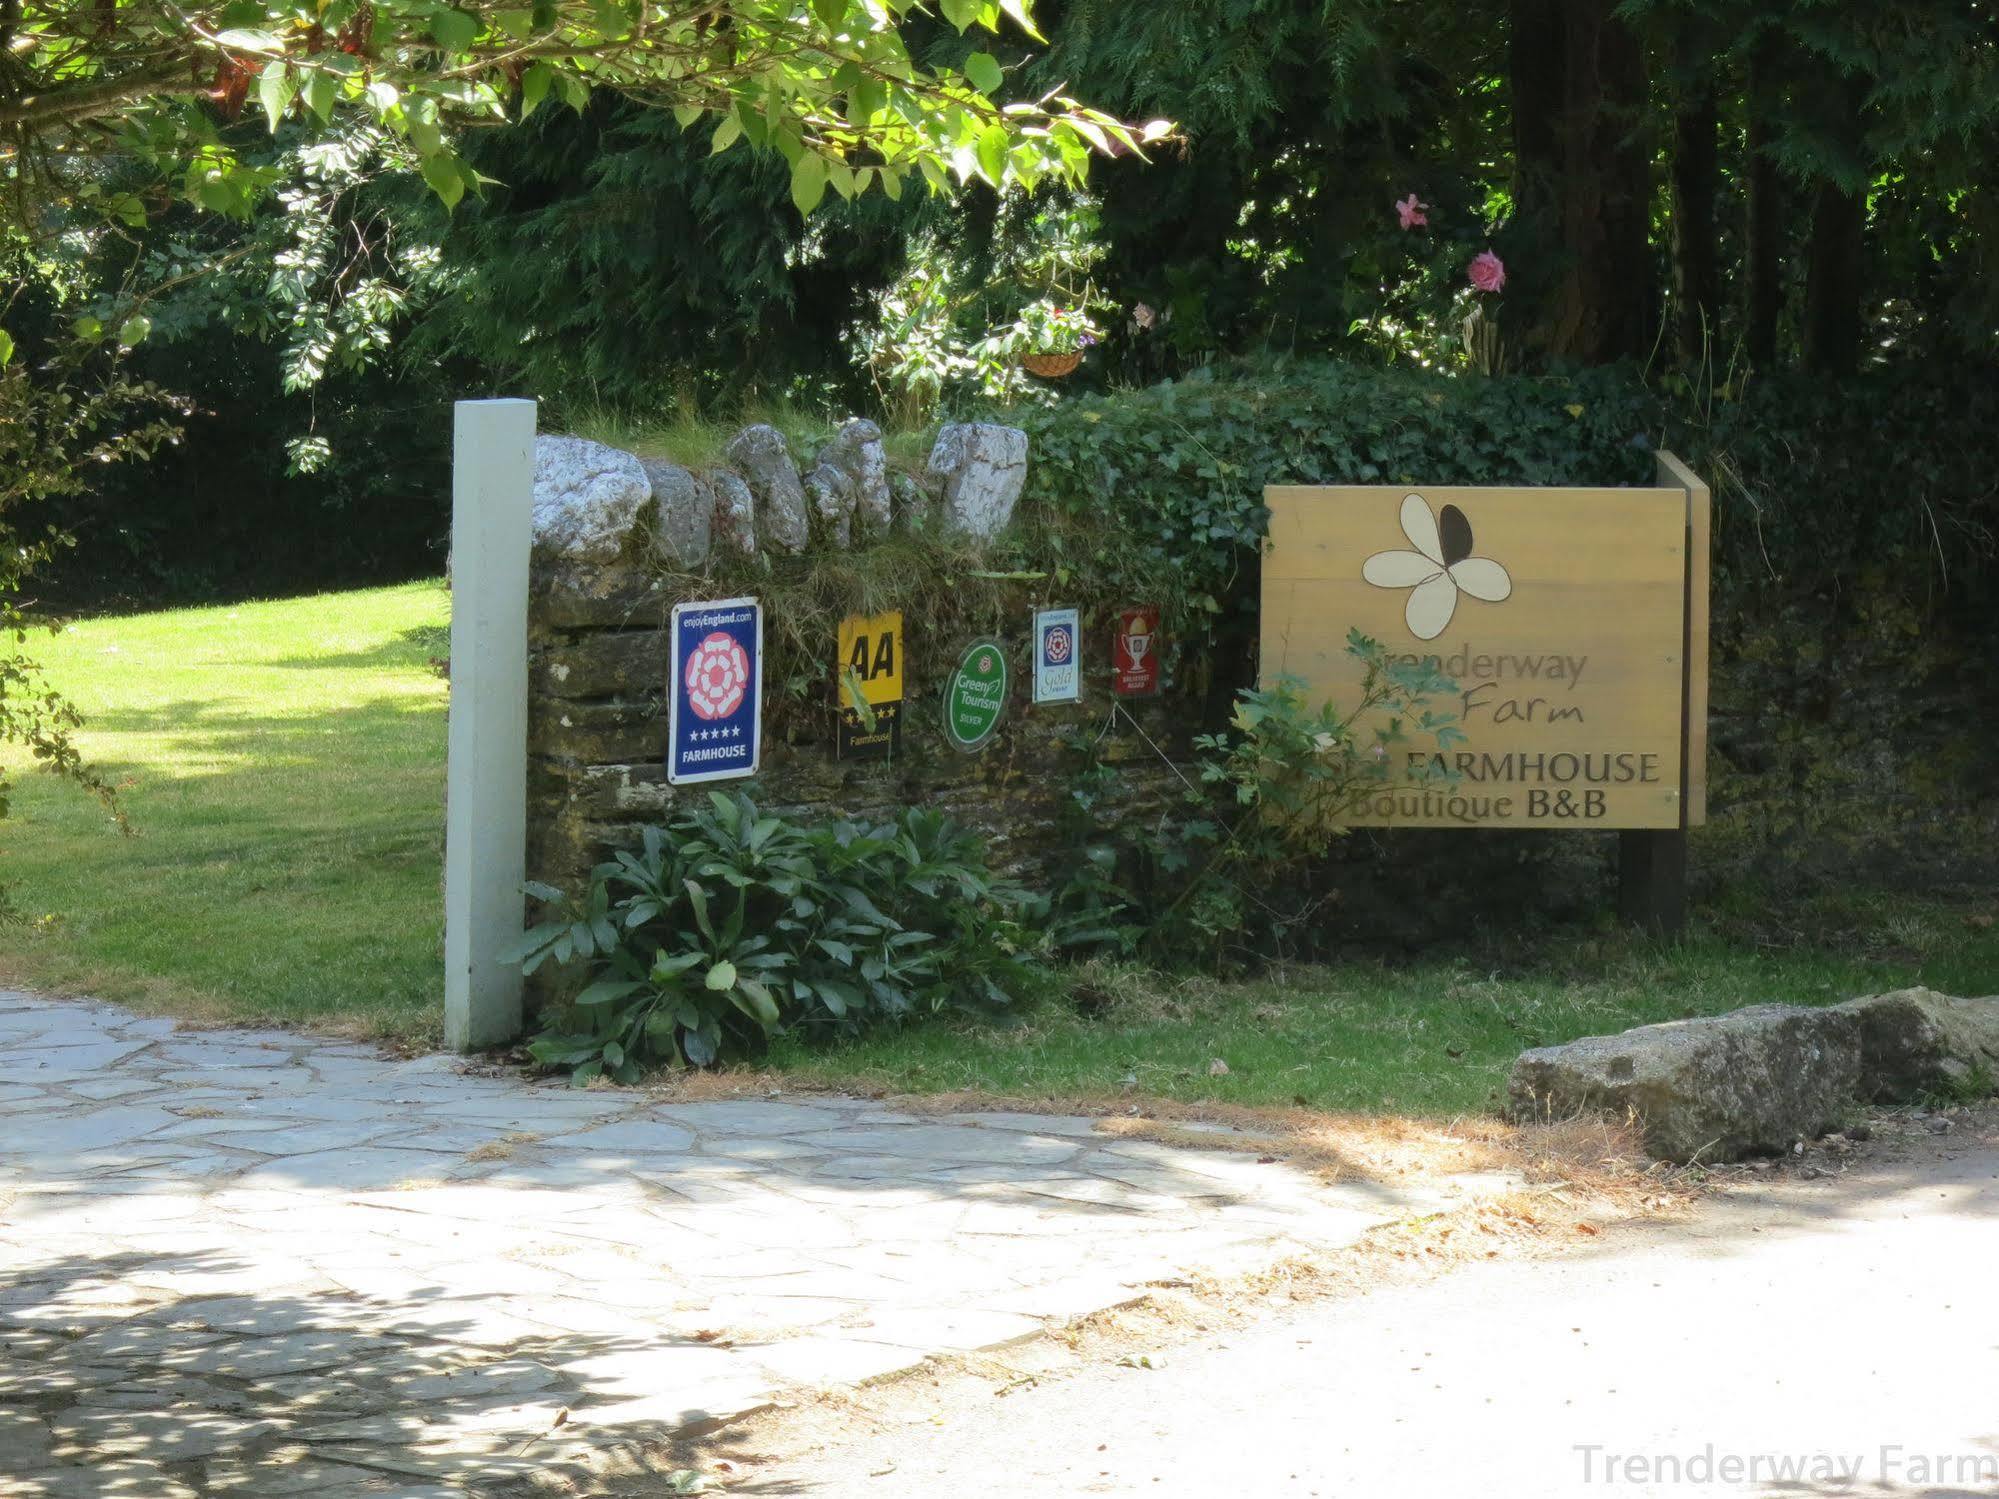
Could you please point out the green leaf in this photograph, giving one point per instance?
(534, 87)
(605, 990)
(700, 1048)
(426, 134)
(761, 1006)
(455, 31)
(1018, 10)
(961, 13)
(808, 181)
(276, 88)
(857, 699)
(984, 71)
(319, 91)
(726, 135)
(132, 332)
(698, 898)
(6, 346)
(540, 891)
(992, 149)
(672, 965)
(722, 977)
(442, 173)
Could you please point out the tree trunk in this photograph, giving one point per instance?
(1833, 281)
(1696, 177)
(1833, 274)
(1535, 66)
(1763, 209)
(1579, 99)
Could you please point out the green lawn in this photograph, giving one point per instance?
(283, 768)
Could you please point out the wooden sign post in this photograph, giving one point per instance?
(1574, 623)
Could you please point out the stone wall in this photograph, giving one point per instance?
(611, 531)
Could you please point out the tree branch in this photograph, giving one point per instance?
(87, 101)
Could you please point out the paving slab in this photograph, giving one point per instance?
(258, 1263)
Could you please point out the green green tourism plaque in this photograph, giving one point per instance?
(975, 696)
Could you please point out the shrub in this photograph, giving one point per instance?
(728, 927)
(1807, 493)
(1232, 873)
(1184, 463)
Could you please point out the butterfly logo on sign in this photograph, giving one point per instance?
(718, 675)
(1439, 569)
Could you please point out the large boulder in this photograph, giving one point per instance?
(759, 453)
(856, 451)
(587, 498)
(1917, 1042)
(684, 525)
(1716, 1089)
(979, 467)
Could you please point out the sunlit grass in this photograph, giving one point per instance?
(282, 765)
(1429, 1038)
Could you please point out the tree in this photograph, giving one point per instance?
(52, 431)
(110, 108)
(827, 84)
(1579, 86)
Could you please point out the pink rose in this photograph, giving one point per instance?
(1488, 271)
(1411, 213)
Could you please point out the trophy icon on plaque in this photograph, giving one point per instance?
(1135, 657)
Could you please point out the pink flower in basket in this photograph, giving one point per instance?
(1488, 271)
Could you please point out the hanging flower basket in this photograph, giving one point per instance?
(1051, 366)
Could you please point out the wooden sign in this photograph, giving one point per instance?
(869, 687)
(1135, 652)
(1573, 622)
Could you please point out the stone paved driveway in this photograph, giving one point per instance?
(260, 1264)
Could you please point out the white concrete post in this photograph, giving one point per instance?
(485, 819)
